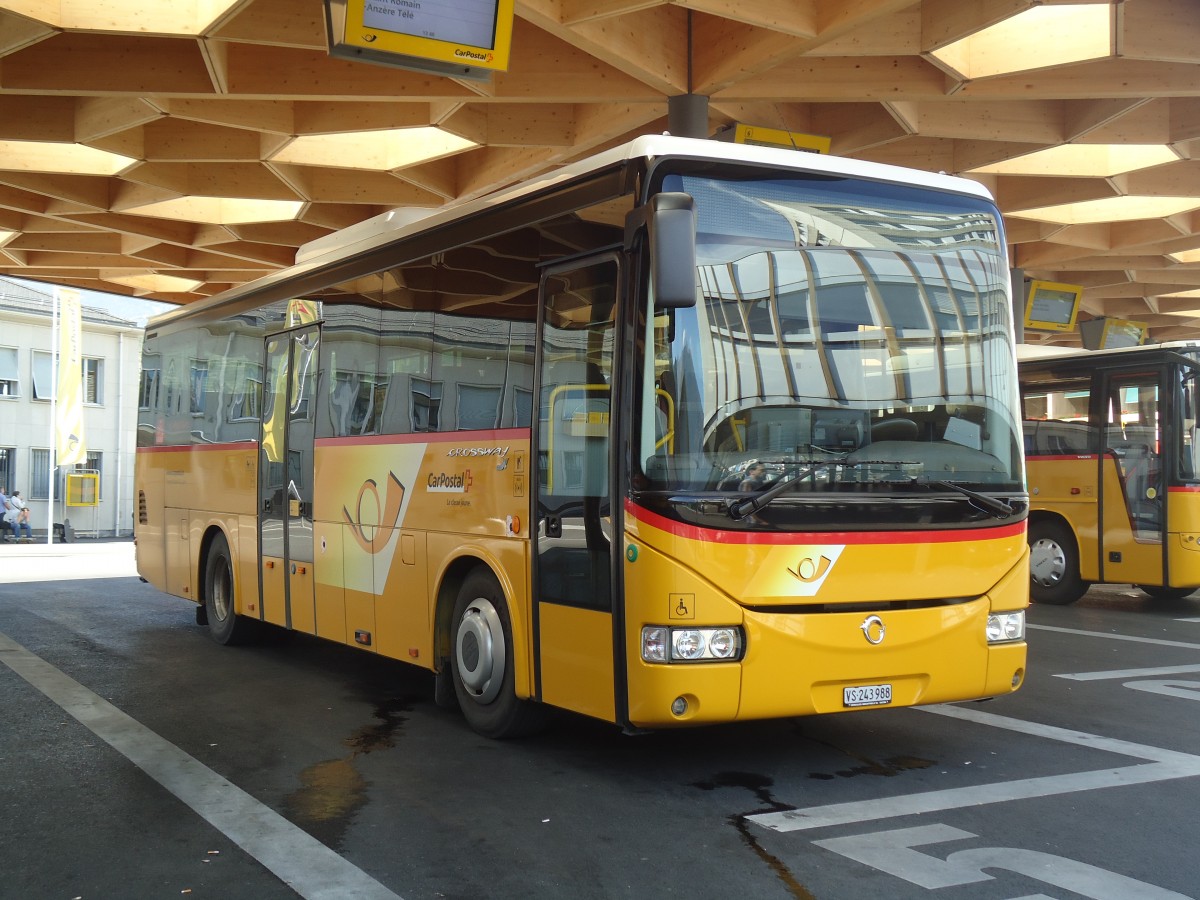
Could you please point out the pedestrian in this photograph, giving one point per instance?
(755, 478)
(17, 517)
(3, 513)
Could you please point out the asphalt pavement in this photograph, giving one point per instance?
(142, 760)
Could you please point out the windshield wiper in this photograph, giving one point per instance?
(994, 505)
(740, 509)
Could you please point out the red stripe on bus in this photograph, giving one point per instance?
(197, 448)
(428, 437)
(720, 536)
(1071, 456)
(1184, 489)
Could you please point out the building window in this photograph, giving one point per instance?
(39, 474)
(478, 406)
(246, 397)
(43, 380)
(93, 381)
(148, 393)
(199, 386)
(10, 383)
(8, 457)
(426, 405)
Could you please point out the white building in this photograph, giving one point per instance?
(111, 350)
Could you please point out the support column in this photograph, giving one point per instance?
(687, 115)
(1017, 280)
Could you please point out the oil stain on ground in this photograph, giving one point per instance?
(759, 785)
(886, 768)
(332, 791)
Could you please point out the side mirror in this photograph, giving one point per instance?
(670, 221)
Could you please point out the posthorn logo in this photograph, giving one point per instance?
(813, 567)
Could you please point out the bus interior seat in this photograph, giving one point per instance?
(895, 430)
(839, 429)
(1053, 437)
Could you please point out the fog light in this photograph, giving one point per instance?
(679, 707)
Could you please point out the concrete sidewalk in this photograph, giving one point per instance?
(56, 562)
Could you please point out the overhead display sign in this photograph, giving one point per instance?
(456, 38)
(775, 137)
(1107, 334)
(1051, 306)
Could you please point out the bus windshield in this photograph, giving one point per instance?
(853, 331)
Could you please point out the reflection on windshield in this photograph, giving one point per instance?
(866, 337)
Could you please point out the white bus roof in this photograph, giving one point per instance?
(393, 224)
(1041, 352)
(397, 224)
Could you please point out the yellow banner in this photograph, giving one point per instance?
(69, 412)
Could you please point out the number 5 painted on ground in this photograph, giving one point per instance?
(891, 852)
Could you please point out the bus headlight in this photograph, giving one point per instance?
(1006, 627)
(663, 645)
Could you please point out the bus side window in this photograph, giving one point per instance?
(1188, 441)
(1057, 438)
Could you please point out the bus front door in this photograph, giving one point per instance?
(572, 586)
(286, 479)
(1132, 491)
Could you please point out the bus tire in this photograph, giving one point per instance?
(481, 660)
(1053, 565)
(444, 696)
(225, 626)
(1158, 592)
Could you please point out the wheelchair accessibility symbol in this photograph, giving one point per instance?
(682, 606)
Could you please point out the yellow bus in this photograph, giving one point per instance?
(1111, 446)
(685, 433)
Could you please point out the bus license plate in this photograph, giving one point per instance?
(867, 695)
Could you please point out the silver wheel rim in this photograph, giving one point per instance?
(479, 650)
(1047, 562)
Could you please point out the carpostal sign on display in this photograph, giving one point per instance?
(472, 33)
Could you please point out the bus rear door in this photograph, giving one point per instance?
(1132, 491)
(285, 480)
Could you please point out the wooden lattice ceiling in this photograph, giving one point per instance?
(209, 109)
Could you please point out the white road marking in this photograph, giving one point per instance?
(895, 852)
(1116, 637)
(1183, 690)
(1115, 674)
(1066, 735)
(1162, 765)
(1188, 620)
(302, 862)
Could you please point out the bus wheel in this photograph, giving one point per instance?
(1158, 592)
(482, 662)
(1053, 565)
(224, 625)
